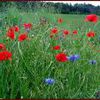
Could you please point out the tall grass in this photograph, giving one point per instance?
(33, 60)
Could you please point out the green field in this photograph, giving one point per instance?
(33, 60)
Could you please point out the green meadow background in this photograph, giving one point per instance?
(33, 60)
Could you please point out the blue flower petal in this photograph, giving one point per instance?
(74, 57)
(92, 62)
(49, 81)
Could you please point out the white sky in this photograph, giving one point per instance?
(95, 3)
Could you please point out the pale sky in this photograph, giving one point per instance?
(95, 3)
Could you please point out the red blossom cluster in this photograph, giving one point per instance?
(60, 20)
(92, 18)
(90, 34)
(11, 33)
(4, 54)
(27, 25)
(62, 57)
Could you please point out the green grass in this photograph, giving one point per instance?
(33, 60)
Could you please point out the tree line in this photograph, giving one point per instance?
(63, 8)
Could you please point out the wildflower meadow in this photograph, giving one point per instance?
(44, 54)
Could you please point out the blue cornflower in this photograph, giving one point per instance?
(92, 61)
(77, 56)
(74, 57)
(49, 81)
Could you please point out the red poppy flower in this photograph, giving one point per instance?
(11, 33)
(54, 31)
(57, 47)
(61, 57)
(5, 55)
(65, 32)
(2, 46)
(91, 18)
(90, 34)
(22, 37)
(16, 28)
(75, 32)
(27, 25)
(60, 20)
